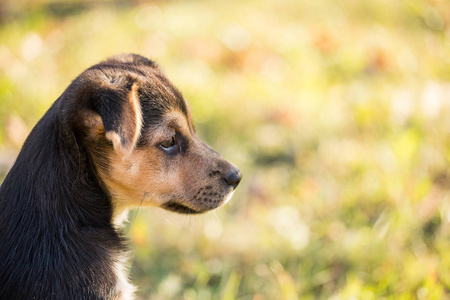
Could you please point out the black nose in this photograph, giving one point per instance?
(233, 177)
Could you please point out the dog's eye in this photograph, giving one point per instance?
(168, 144)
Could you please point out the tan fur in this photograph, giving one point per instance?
(141, 178)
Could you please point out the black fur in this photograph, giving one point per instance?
(55, 222)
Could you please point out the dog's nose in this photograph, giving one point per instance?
(233, 177)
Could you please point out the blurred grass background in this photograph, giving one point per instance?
(337, 112)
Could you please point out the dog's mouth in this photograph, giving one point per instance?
(180, 208)
(202, 203)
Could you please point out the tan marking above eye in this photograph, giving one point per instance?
(177, 121)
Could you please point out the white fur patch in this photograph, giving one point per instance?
(120, 217)
(124, 288)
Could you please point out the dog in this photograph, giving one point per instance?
(121, 135)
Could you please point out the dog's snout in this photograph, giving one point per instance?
(232, 177)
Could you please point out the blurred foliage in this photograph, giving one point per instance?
(337, 112)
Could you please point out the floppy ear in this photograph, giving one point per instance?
(121, 116)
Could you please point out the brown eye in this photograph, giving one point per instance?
(168, 143)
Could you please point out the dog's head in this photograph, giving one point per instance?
(137, 129)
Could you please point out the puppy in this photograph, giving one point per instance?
(120, 135)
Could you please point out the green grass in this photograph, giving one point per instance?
(337, 112)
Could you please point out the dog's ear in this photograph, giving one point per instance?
(121, 116)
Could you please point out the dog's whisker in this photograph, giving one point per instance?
(137, 209)
(214, 213)
(189, 218)
(166, 218)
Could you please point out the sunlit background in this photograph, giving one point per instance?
(337, 112)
